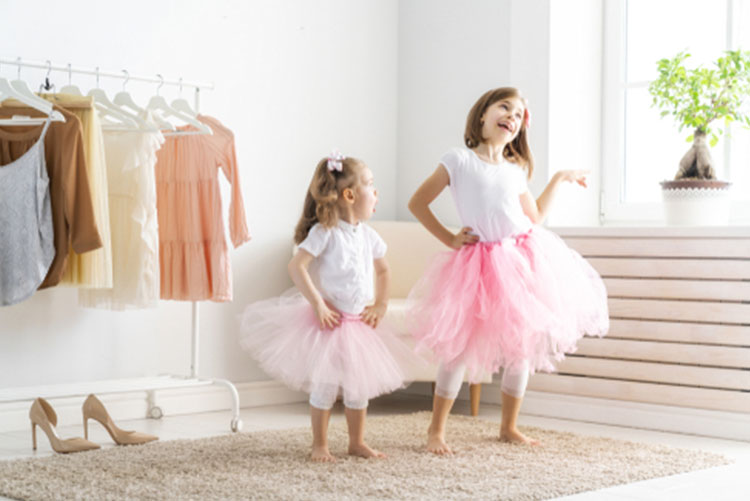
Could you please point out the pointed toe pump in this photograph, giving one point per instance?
(94, 409)
(43, 415)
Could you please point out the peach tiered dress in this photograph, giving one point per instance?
(193, 253)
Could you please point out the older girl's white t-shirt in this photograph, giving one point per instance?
(343, 269)
(487, 195)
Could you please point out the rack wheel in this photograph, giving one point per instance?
(236, 425)
(155, 412)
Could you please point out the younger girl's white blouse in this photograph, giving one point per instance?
(487, 196)
(343, 267)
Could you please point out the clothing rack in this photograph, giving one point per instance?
(123, 74)
(148, 384)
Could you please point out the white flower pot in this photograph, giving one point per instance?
(696, 202)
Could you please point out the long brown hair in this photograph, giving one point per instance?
(516, 151)
(323, 195)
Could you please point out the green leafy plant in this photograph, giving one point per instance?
(699, 98)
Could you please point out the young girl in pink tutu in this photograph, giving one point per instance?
(327, 337)
(511, 294)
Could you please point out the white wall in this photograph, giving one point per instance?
(388, 81)
(529, 60)
(575, 107)
(293, 79)
(450, 53)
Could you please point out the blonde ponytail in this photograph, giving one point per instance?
(321, 200)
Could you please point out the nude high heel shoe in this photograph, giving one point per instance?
(43, 415)
(94, 409)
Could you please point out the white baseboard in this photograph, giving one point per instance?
(687, 420)
(133, 405)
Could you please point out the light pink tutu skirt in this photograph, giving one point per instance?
(284, 336)
(495, 304)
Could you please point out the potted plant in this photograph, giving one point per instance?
(706, 101)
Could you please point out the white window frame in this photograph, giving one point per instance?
(613, 208)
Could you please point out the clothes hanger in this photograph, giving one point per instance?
(22, 89)
(109, 109)
(10, 91)
(158, 103)
(181, 104)
(110, 119)
(124, 99)
(47, 86)
(113, 120)
(70, 88)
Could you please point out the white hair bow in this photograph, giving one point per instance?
(334, 161)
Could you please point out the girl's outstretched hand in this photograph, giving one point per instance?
(574, 176)
(372, 315)
(328, 317)
(464, 237)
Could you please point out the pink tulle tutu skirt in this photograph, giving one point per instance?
(495, 304)
(284, 336)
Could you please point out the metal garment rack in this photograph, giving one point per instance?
(148, 384)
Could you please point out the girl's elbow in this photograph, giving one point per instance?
(539, 215)
(410, 205)
(414, 205)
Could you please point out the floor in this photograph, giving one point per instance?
(723, 483)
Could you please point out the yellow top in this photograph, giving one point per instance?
(92, 269)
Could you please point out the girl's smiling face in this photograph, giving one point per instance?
(365, 195)
(502, 120)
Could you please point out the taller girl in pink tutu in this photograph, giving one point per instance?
(511, 294)
(327, 337)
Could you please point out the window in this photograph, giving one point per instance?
(639, 147)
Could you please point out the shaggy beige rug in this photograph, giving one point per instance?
(275, 465)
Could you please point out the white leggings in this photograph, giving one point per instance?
(514, 381)
(325, 396)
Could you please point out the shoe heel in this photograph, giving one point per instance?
(85, 427)
(43, 415)
(94, 409)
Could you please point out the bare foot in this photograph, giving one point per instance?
(320, 454)
(365, 451)
(436, 444)
(516, 437)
